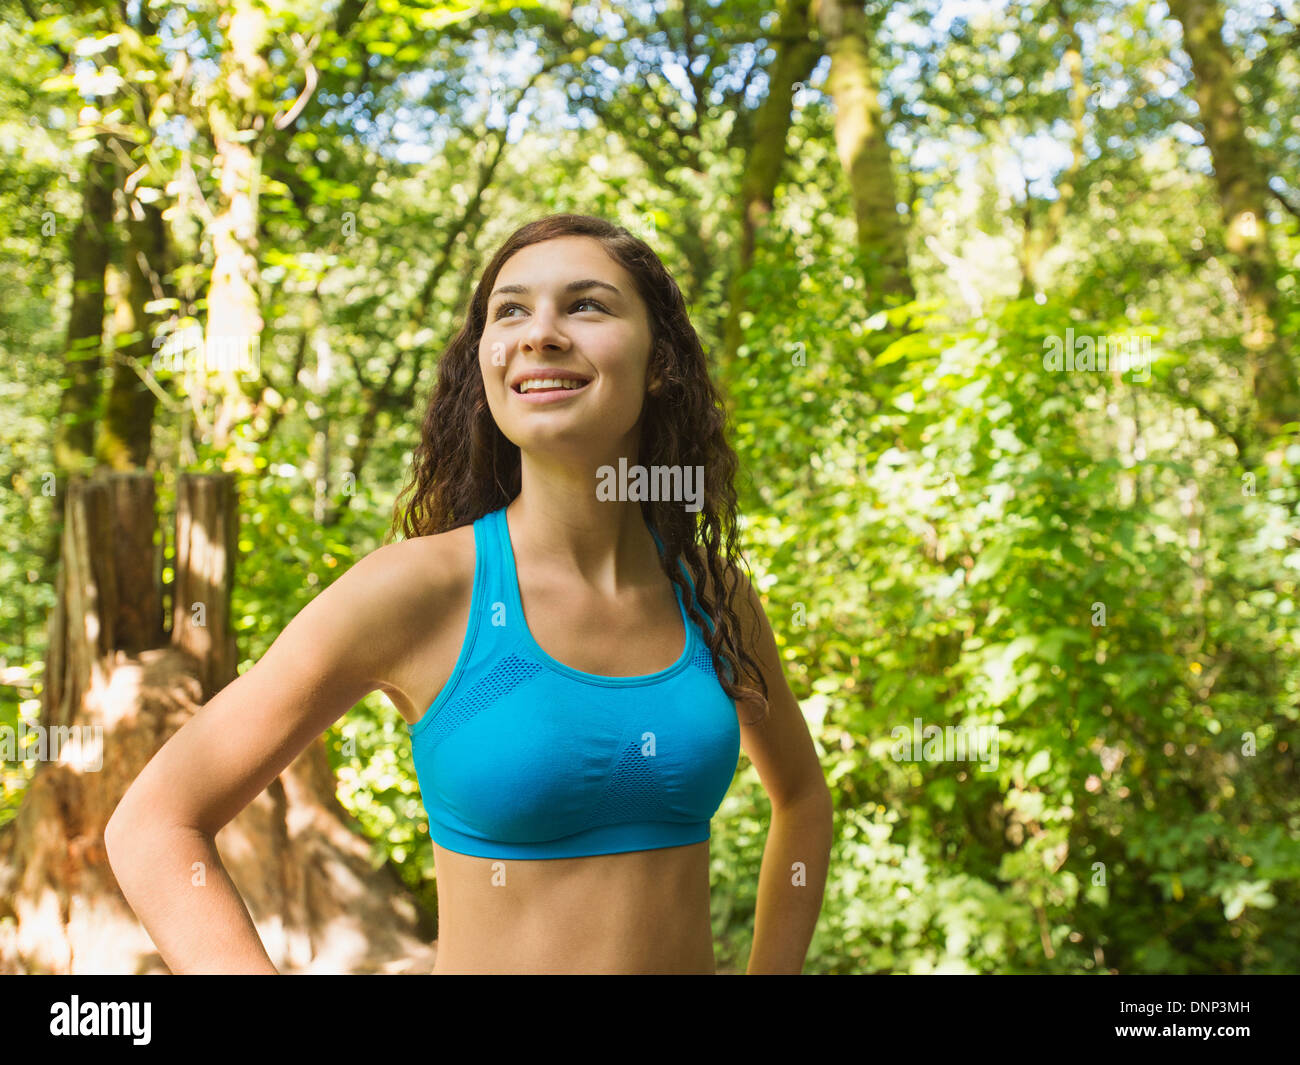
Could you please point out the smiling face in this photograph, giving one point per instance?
(565, 350)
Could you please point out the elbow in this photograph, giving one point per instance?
(137, 823)
(113, 832)
(814, 802)
(820, 795)
(829, 807)
(122, 826)
(824, 803)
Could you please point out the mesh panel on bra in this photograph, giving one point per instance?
(703, 660)
(507, 675)
(633, 792)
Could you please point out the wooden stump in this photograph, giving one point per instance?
(117, 686)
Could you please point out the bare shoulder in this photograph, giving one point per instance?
(420, 582)
(426, 584)
(401, 581)
(440, 564)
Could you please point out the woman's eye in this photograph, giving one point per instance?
(501, 311)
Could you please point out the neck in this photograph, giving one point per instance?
(559, 521)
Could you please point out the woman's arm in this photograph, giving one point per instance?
(796, 857)
(341, 646)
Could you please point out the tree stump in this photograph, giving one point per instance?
(117, 686)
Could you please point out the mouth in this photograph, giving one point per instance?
(549, 388)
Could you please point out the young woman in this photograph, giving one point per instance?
(565, 605)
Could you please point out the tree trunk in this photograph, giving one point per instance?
(116, 687)
(795, 58)
(1243, 197)
(206, 533)
(90, 251)
(126, 435)
(74, 442)
(864, 151)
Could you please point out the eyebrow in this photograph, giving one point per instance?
(572, 286)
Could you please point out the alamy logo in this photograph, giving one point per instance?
(675, 484)
(191, 350)
(1090, 354)
(81, 746)
(101, 1018)
(952, 743)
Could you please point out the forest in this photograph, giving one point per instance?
(1002, 298)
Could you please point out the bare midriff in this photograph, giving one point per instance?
(636, 912)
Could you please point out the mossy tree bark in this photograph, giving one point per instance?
(1242, 185)
(796, 55)
(864, 151)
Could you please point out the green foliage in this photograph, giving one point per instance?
(970, 547)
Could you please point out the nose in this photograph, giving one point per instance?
(542, 333)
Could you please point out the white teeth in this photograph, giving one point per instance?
(549, 382)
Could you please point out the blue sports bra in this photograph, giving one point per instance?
(521, 756)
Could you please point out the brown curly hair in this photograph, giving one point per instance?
(465, 467)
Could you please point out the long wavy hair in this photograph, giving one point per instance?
(465, 467)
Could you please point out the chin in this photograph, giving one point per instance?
(568, 441)
(553, 441)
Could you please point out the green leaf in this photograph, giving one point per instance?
(1038, 764)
